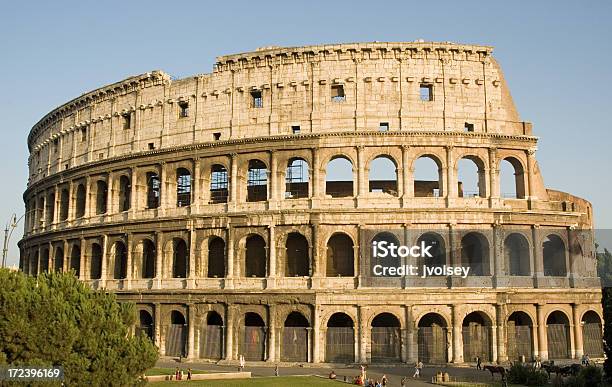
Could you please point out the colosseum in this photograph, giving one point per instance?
(236, 209)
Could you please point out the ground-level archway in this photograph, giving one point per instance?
(294, 346)
(477, 338)
(340, 339)
(432, 339)
(176, 337)
(386, 339)
(558, 335)
(592, 334)
(519, 335)
(145, 324)
(254, 338)
(211, 338)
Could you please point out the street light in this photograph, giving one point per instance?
(8, 232)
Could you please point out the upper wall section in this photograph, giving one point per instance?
(316, 89)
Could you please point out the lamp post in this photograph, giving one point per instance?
(8, 232)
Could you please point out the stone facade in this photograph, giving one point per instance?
(179, 195)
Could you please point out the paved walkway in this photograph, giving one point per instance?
(394, 372)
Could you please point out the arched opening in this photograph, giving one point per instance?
(298, 261)
(64, 204)
(516, 254)
(183, 187)
(511, 178)
(386, 339)
(518, 333)
(176, 339)
(256, 257)
(554, 256)
(437, 250)
(180, 257)
(432, 340)
(558, 334)
(428, 177)
(125, 192)
(257, 181)
(120, 262)
(153, 190)
(40, 211)
(471, 177)
(33, 270)
(216, 258)
(296, 179)
(75, 260)
(59, 259)
(50, 208)
(211, 342)
(95, 270)
(340, 256)
(339, 177)
(254, 338)
(148, 259)
(475, 253)
(80, 201)
(294, 346)
(340, 339)
(219, 186)
(592, 334)
(386, 255)
(383, 175)
(44, 261)
(145, 326)
(101, 197)
(477, 340)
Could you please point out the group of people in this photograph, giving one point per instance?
(179, 374)
(363, 380)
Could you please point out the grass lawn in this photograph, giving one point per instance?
(168, 371)
(272, 381)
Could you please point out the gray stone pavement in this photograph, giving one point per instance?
(394, 372)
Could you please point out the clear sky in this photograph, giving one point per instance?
(556, 56)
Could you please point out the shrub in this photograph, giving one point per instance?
(518, 373)
(536, 378)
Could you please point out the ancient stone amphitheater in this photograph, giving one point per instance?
(236, 209)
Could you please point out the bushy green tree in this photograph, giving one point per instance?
(55, 319)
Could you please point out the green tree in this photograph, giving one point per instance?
(604, 270)
(54, 319)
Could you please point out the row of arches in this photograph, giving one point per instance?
(433, 337)
(340, 177)
(340, 257)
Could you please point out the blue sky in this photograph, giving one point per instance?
(555, 54)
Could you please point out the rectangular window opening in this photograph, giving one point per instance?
(295, 129)
(468, 127)
(127, 120)
(383, 127)
(183, 109)
(217, 136)
(426, 92)
(257, 99)
(84, 134)
(151, 145)
(337, 93)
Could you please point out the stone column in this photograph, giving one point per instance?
(362, 181)
(104, 268)
(363, 334)
(229, 276)
(163, 188)
(192, 258)
(578, 339)
(129, 273)
(457, 335)
(273, 194)
(71, 201)
(111, 206)
(316, 335)
(159, 253)
(234, 180)
(82, 259)
(191, 332)
(542, 339)
(493, 177)
(90, 200)
(537, 254)
(134, 205)
(410, 346)
(196, 186)
(272, 355)
(51, 263)
(229, 332)
(158, 329)
(316, 174)
(530, 191)
(450, 191)
(271, 283)
(407, 176)
(501, 310)
(317, 266)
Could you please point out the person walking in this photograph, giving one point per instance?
(417, 369)
(189, 372)
(403, 382)
(241, 362)
(384, 380)
(478, 363)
